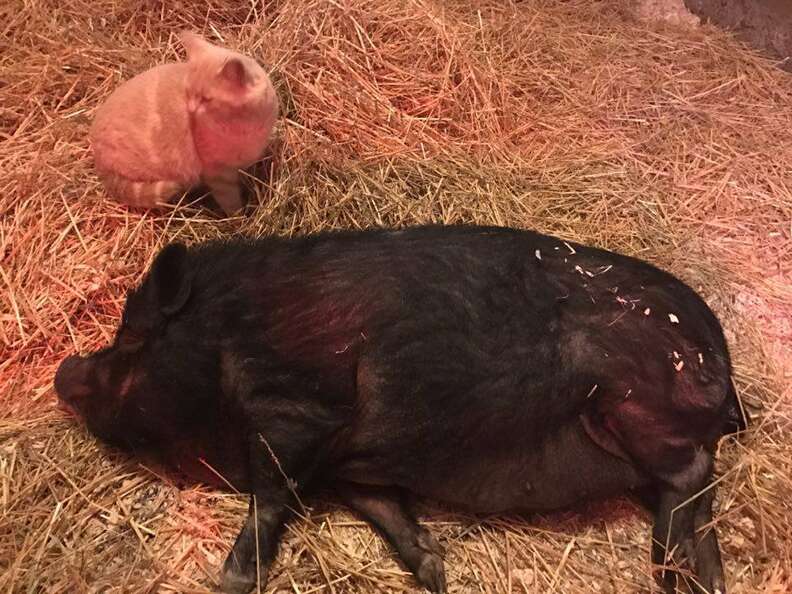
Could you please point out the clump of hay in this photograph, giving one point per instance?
(571, 118)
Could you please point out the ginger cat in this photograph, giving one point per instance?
(177, 125)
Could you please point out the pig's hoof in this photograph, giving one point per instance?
(232, 582)
(430, 573)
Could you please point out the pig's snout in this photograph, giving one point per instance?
(70, 379)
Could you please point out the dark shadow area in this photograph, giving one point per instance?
(765, 24)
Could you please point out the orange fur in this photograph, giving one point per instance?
(176, 125)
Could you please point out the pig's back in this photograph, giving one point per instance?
(485, 305)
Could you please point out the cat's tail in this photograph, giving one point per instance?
(145, 194)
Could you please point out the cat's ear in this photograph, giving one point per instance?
(193, 43)
(235, 74)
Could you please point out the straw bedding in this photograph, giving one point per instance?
(568, 117)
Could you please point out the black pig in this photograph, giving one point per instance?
(491, 368)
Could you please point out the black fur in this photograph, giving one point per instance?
(492, 368)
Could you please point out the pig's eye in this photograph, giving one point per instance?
(129, 339)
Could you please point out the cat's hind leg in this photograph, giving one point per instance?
(145, 194)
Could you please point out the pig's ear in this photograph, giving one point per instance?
(171, 279)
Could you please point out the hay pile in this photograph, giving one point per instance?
(567, 117)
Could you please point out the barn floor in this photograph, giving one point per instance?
(673, 144)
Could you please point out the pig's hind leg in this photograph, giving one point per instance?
(682, 506)
(416, 546)
(709, 566)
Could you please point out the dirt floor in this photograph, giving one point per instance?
(652, 137)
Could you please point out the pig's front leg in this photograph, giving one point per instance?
(272, 492)
(244, 568)
(284, 437)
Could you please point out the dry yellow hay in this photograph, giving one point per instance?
(568, 117)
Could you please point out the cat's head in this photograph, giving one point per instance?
(224, 81)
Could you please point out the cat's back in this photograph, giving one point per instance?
(157, 93)
(142, 130)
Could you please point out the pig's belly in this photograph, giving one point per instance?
(566, 468)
